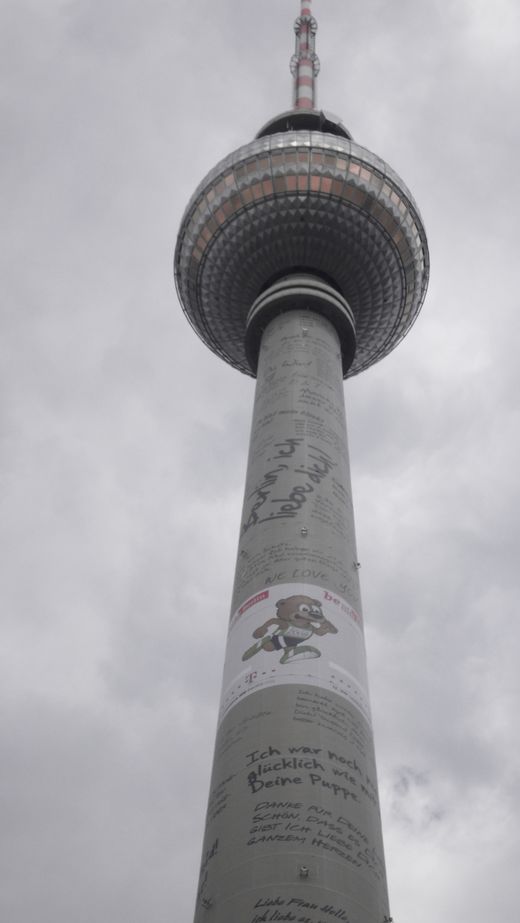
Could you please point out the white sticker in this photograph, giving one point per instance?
(295, 633)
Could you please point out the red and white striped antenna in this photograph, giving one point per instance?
(305, 64)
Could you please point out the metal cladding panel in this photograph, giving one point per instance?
(302, 200)
(293, 827)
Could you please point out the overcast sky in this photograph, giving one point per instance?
(124, 446)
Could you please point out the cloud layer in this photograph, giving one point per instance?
(124, 446)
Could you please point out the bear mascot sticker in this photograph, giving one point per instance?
(298, 619)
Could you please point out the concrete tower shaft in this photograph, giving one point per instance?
(293, 822)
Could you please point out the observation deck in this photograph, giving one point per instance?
(302, 200)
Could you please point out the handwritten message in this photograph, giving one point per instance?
(265, 503)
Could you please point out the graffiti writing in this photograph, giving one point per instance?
(312, 471)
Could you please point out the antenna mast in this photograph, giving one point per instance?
(305, 64)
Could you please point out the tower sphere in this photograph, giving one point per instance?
(302, 197)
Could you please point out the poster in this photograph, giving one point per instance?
(295, 633)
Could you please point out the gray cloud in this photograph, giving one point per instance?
(123, 446)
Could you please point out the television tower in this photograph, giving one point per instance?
(301, 260)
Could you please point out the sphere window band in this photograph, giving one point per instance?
(305, 182)
(318, 159)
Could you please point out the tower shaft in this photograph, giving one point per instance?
(293, 827)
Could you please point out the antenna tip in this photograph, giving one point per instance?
(305, 62)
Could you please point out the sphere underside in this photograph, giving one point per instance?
(293, 201)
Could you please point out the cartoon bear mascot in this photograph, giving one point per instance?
(298, 618)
